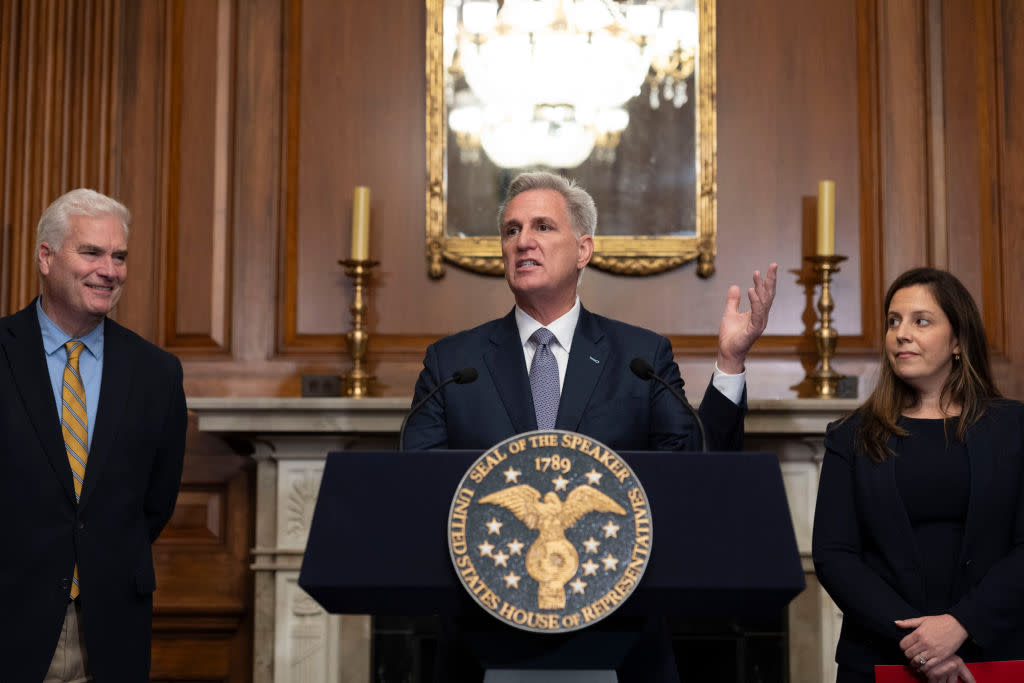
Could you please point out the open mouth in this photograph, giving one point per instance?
(528, 263)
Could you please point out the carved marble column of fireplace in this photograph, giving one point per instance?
(795, 430)
(295, 641)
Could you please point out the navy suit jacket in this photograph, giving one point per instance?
(601, 397)
(131, 484)
(867, 560)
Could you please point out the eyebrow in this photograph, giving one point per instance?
(536, 219)
(96, 247)
(923, 311)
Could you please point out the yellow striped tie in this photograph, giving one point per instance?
(74, 422)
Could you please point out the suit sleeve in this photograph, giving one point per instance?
(165, 477)
(427, 429)
(858, 589)
(672, 426)
(723, 419)
(995, 605)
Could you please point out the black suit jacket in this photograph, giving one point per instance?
(866, 558)
(601, 397)
(131, 484)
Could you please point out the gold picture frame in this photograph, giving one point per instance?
(622, 254)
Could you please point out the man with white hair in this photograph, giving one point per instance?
(92, 440)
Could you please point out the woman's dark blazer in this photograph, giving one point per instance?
(866, 558)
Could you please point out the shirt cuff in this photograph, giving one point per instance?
(731, 386)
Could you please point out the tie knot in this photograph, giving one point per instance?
(74, 349)
(542, 337)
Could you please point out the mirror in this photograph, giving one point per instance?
(618, 95)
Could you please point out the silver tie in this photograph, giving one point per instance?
(544, 379)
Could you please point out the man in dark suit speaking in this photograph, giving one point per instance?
(550, 363)
(92, 439)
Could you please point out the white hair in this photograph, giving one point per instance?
(55, 224)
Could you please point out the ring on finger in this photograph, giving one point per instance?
(921, 660)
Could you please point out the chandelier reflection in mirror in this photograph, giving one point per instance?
(632, 118)
(544, 83)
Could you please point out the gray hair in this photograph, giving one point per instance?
(578, 203)
(55, 223)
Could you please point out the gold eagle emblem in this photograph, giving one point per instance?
(551, 559)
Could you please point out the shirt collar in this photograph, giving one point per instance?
(563, 328)
(54, 338)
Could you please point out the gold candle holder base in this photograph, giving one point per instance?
(826, 379)
(357, 382)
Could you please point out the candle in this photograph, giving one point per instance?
(361, 224)
(826, 218)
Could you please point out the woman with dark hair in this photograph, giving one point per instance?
(919, 524)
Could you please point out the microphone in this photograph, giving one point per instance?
(463, 376)
(643, 370)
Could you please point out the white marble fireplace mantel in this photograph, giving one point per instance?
(268, 416)
(295, 641)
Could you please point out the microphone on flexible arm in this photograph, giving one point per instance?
(463, 376)
(643, 370)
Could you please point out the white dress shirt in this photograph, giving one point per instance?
(564, 328)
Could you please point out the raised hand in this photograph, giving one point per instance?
(738, 331)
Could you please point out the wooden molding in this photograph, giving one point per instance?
(871, 181)
(289, 338)
(988, 50)
(197, 208)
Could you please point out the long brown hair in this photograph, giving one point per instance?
(970, 380)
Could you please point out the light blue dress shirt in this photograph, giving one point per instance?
(90, 363)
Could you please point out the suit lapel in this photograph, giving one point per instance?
(507, 367)
(22, 343)
(587, 359)
(118, 361)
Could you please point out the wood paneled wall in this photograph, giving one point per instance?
(58, 74)
(236, 129)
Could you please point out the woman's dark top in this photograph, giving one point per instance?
(937, 528)
(933, 477)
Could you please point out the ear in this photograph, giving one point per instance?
(44, 258)
(585, 244)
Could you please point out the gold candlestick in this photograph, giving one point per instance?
(826, 380)
(357, 382)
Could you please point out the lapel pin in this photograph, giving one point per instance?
(595, 360)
